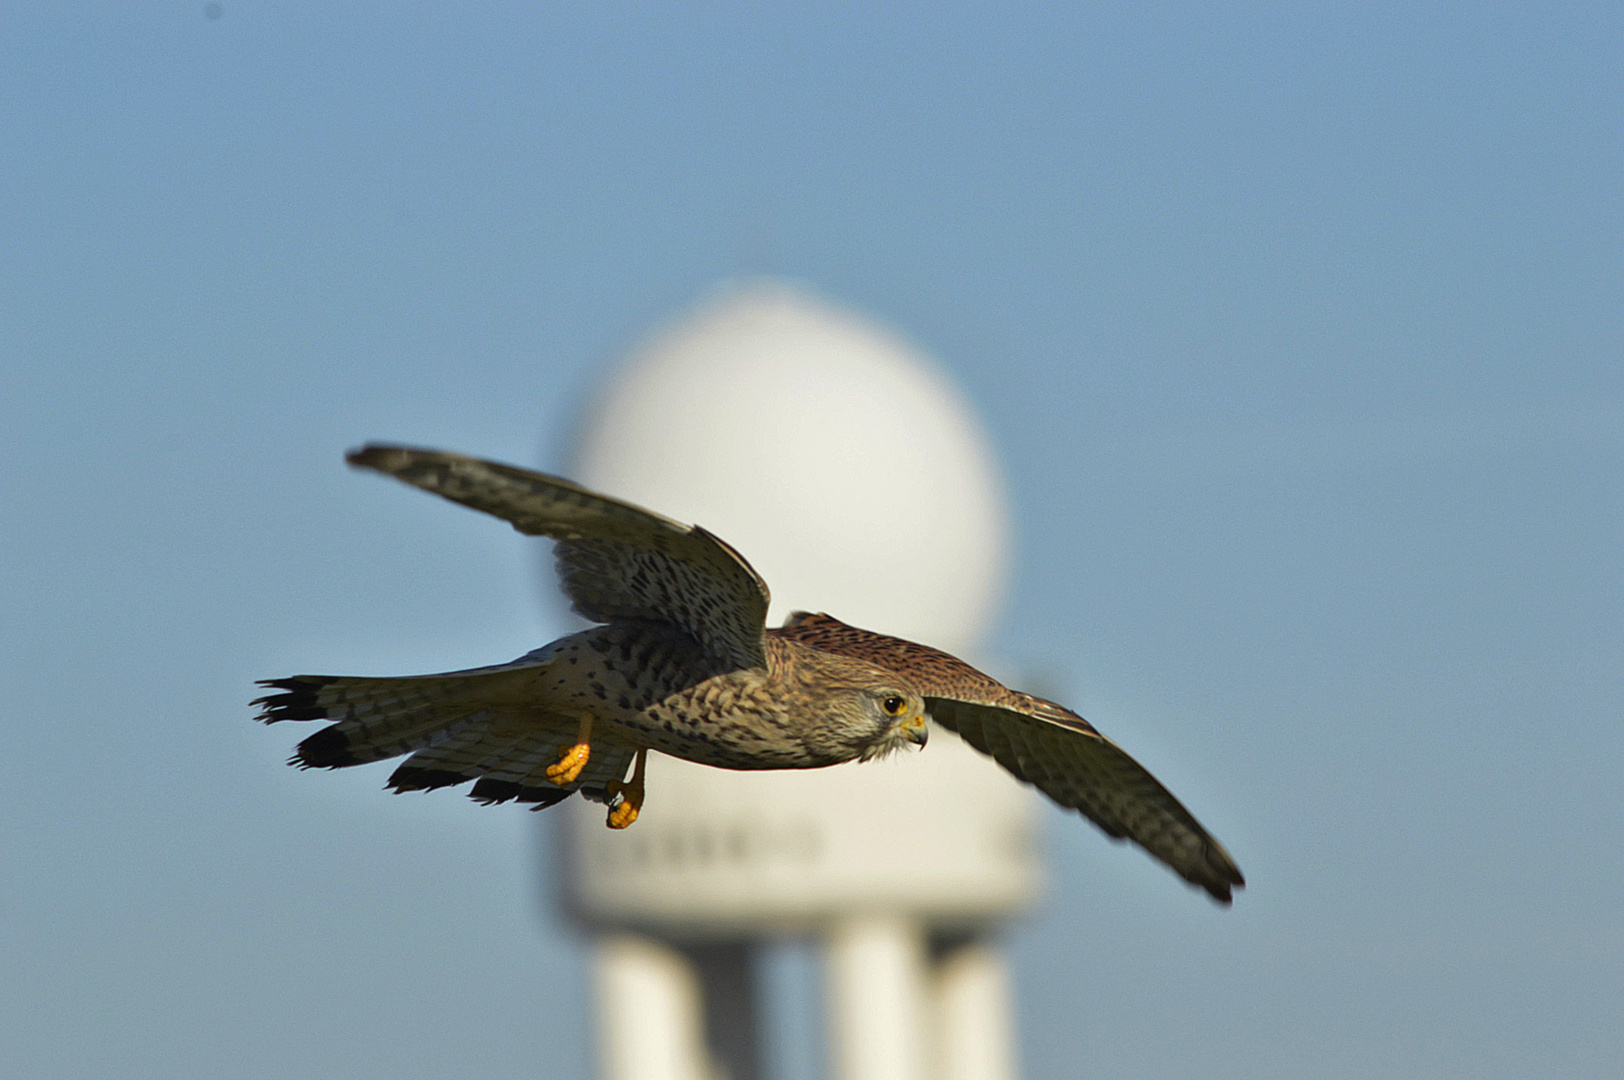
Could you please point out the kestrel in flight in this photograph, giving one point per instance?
(684, 663)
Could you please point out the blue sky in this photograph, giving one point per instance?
(1299, 331)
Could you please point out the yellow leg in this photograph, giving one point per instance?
(624, 812)
(573, 759)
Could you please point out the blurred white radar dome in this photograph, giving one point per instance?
(830, 452)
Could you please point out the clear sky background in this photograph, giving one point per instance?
(1299, 330)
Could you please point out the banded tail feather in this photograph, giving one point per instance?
(479, 725)
(372, 718)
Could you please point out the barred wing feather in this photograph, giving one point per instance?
(615, 560)
(1043, 744)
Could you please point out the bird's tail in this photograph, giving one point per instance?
(469, 725)
(374, 719)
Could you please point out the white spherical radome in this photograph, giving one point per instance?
(830, 452)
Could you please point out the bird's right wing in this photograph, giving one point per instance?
(1044, 744)
(1061, 754)
(615, 560)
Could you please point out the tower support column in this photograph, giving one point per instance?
(974, 1025)
(650, 1013)
(878, 988)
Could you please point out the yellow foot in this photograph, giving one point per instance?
(630, 795)
(569, 764)
(573, 758)
(623, 814)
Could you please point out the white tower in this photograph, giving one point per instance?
(852, 475)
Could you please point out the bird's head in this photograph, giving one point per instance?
(861, 711)
(898, 718)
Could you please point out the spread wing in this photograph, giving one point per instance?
(1048, 746)
(615, 560)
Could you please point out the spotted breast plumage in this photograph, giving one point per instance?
(682, 662)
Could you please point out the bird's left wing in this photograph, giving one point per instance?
(615, 560)
(1044, 744)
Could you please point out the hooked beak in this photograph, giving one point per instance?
(916, 731)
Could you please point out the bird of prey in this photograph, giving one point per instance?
(682, 662)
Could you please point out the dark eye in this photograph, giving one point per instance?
(893, 706)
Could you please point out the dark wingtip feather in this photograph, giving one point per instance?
(488, 792)
(326, 749)
(416, 778)
(382, 457)
(297, 700)
(542, 798)
(1224, 877)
